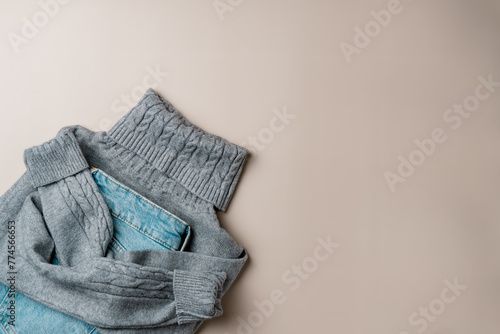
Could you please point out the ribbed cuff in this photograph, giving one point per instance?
(54, 160)
(198, 295)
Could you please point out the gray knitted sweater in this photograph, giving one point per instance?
(59, 211)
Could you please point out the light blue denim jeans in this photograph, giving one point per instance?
(138, 224)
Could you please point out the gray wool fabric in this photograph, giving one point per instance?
(59, 211)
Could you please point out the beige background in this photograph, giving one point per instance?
(323, 172)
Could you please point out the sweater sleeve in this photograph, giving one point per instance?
(61, 209)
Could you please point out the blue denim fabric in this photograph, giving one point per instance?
(138, 224)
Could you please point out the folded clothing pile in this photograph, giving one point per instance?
(117, 232)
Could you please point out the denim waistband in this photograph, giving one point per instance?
(205, 164)
(141, 214)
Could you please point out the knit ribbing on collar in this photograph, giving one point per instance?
(205, 164)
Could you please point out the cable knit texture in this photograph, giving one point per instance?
(86, 203)
(206, 164)
(59, 213)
